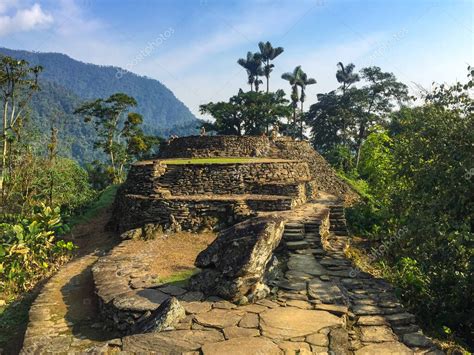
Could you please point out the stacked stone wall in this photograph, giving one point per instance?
(223, 179)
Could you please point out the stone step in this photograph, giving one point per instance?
(293, 238)
(297, 245)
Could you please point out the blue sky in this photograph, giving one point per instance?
(192, 45)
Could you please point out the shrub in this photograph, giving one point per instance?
(30, 249)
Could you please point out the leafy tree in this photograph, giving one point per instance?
(18, 82)
(119, 133)
(268, 53)
(253, 65)
(250, 113)
(374, 102)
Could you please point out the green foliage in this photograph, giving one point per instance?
(30, 249)
(419, 174)
(103, 200)
(118, 133)
(250, 113)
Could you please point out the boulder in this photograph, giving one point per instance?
(167, 315)
(235, 264)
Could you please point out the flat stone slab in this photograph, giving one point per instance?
(390, 348)
(307, 264)
(376, 334)
(242, 346)
(174, 342)
(196, 307)
(371, 320)
(238, 332)
(140, 300)
(219, 318)
(417, 340)
(289, 322)
(324, 291)
(250, 320)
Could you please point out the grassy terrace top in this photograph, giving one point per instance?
(229, 160)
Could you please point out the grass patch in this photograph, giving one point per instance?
(104, 200)
(181, 278)
(185, 161)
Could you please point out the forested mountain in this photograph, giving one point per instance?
(66, 82)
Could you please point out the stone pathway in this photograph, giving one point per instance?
(318, 306)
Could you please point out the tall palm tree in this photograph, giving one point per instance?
(302, 83)
(253, 66)
(268, 53)
(293, 79)
(346, 76)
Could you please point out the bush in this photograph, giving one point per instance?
(30, 249)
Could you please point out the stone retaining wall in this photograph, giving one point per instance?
(215, 146)
(132, 211)
(322, 173)
(223, 179)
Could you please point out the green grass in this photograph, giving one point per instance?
(105, 199)
(214, 161)
(179, 279)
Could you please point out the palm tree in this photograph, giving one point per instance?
(294, 79)
(346, 76)
(302, 83)
(253, 66)
(268, 53)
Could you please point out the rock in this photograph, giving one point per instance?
(299, 304)
(338, 310)
(242, 346)
(398, 319)
(292, 285)
(135, 234)
(191, 296)
(371, 320)
(224, 305)
(295, 275)
(384, 348)
(234, 264)
(417, 340)
(172, 290)
(267, 303)
(249, 320)
(339, 341)
(292, 347)
(363, 309)
(167, 315)
(326, 292)
(237, 332)
(196, 307)
(289, 322)
(174, 342)
(253, 308)
(318, 339)
(140, 300)
(376, 334)
(218, 318)
(306, 264)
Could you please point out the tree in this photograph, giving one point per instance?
(374, 102)
(18, 83)
(268, 53)
(303, 82)
(293, 79)
(119, 133)
(253, 66)
(345, 76)
(250, 113)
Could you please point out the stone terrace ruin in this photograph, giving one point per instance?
(274, 281)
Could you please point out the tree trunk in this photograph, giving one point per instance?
(4, 149)
(268, 84)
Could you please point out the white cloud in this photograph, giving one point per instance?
(23, 20)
